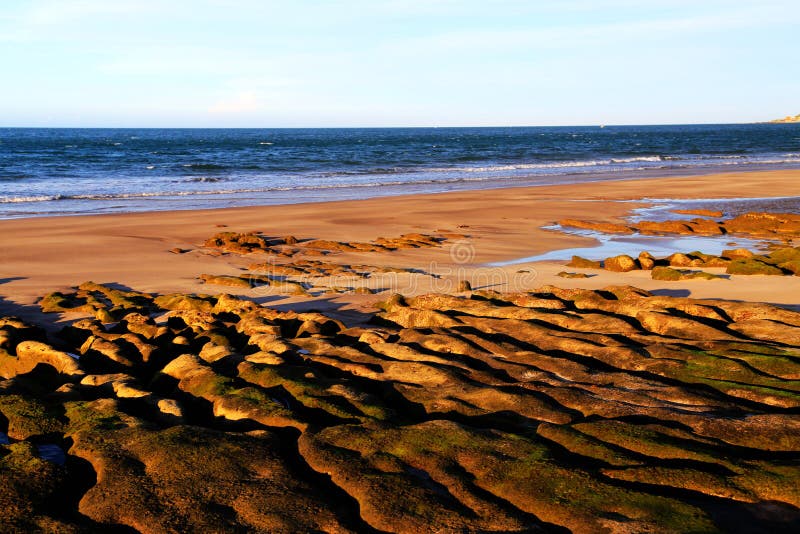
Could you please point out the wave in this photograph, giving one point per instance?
(148, 194)
(205, 166)
(421, 176)
(702, 160)
(31, 198)
(203, 180)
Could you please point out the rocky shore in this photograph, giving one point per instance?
(612, 410)
(314, 376)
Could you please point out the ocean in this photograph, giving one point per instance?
(66, 171)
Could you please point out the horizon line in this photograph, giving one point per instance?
(594, 125)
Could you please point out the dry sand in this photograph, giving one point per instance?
(46, 254)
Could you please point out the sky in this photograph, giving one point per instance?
(343, 63)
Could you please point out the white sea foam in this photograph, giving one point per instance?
(28, 198)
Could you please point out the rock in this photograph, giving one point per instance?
(463, 285)
(768, 330)
(100, 353)
(752, 266)
(764, 224)
(230, 304)
(212, 352)
(181, 340)
(238, 243)
(29, 417)
(680, 327)
(362, 290)
(411, 318)
(233, 281)
(666, 274)
(621, 264)
(104, 316)
(758, 224)
(604, 227)
(737, 254)
(30, 487)
(489, 411)
(791, 266)
(265, 358)
(784, 255)
(32, 353)
(565, 274)
(170, 407)
(706, 227)
(664, 227)
(141, 325)
(646, 261)
(683, 260)
(184, 302)
(672, 275)
(701, 212)
(583, 263)
(58, 302)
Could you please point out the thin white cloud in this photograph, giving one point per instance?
(583, 35)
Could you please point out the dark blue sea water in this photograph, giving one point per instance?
(71, 171)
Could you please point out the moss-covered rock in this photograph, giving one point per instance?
(583, 263)
(565, 274)
(752, 266)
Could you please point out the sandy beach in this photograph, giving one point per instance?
(40, 255)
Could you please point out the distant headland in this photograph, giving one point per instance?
(787, 118)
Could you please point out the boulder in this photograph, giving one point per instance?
(752, 266)
(621, 264)
(736, 254)
(583, 263)
(646, 260)
(666, 274)
(683, 260)
(32, 353)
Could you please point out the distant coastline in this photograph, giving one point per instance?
(787, 119)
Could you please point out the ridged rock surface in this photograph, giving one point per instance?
(557, 410)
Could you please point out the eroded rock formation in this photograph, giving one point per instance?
(611, 410)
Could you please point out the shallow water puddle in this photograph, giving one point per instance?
(51, 453)
(662, 209)
(46, 451)
(659, 245)
(613, 245)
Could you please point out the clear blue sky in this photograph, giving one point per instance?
(262, 63)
